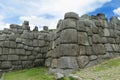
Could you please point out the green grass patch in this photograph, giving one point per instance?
(29, 74)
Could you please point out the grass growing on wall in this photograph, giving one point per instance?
(29, 74)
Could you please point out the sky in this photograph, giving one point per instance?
(47, 12)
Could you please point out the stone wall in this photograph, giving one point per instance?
(78, 42)
(81, 42)
(21, 48)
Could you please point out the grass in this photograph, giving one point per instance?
(29, 74)
(108, 70)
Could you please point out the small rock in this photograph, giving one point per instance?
(74, 77)
(58, 76)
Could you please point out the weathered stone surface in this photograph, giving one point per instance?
(93, 57)
(116, 47)
(108, 47)
(42, 43)
(69, 49)
(37, 49)
(6, 43)
(2, 37)
(48, 62)
(20, 51)
(68, 63)
(55, 53)
(39, 56)
(96, 38)
(12, 44)
(83, 38)
(81, 26)
(6, 65)
(0, 50)
(4, 57)
(18, 40)
(89, 50)
(68, 36)
(13, 57)
(89, 31)
(35, 42)
(82, 50)
(45, 28)
(82, 61)
(31, 57)
(27, 64)
(54, 63)
(111, 40)
(106, 32)
(101, 16)
(68, 24)
(5, 51)
(59, 76)
(95, 29)
(98, 49)
(23, 58)
(35, 28)
(85, 16)
(104, 40)
(20, 46)
(12, 37)
(91, 63)
(71, 15)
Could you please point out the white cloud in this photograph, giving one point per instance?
(34, 20)
(2, 23)
(33, 10)
(119, 18)
(117, 11)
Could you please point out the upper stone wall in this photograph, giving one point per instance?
(22, 48)
(81, 42)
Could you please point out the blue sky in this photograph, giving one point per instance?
(48, 12)
(108, 9)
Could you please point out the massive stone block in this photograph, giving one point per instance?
(82, 50)
(71, 15)
(98, 49)
(106, 32)
(69, 49)
(68, 63)
(54, 63)
(68, 36)
(81, 26)
(82, 61)
(83, 38)
(13, 57)
(6, 65)
(96, 38)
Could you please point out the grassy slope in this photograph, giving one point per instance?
(108, 70)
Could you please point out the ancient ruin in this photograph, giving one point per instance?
(78, 42)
